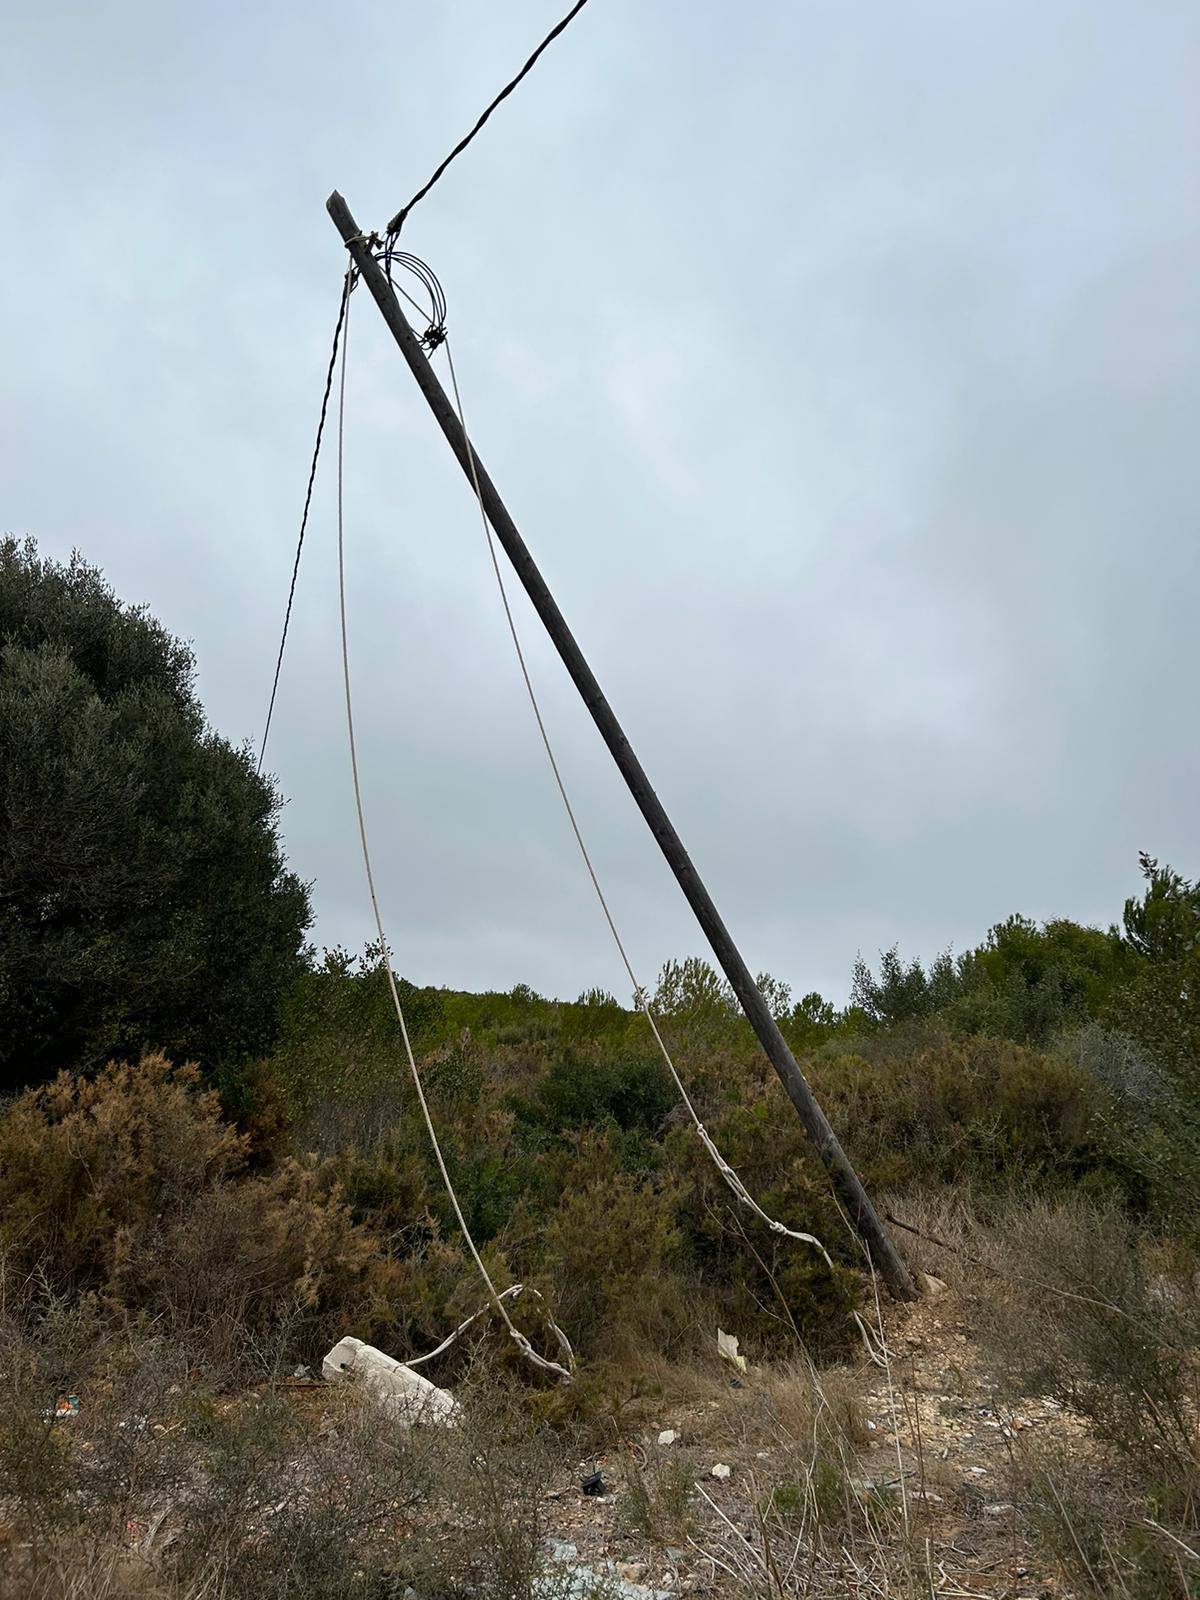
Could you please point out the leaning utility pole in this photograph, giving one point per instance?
(845, 1180)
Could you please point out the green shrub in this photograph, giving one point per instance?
(608, 1252)
(590, 1089)
(774, 1291)
(340, 1048)
(924, 1104)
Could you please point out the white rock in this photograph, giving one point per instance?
(403, 1395)
(721, 1470)
(667, 1436)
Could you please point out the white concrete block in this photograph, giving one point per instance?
(403, 1395)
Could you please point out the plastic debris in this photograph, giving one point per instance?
(593, 1484)
(667, 1436)
(727, 1349)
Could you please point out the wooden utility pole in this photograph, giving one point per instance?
(845, 1180)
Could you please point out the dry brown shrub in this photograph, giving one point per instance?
(131, 1186)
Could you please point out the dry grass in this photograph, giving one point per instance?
(1083, 1306)
(167, 1483)
(1071, 1299)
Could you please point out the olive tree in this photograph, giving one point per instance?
(144, 896)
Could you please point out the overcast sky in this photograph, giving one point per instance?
(840, 365)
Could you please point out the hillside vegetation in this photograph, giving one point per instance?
(212, 1166)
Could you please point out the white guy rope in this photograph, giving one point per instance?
(731, 1177)
(497, 1300)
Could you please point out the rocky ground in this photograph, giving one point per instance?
(919, 1488)
(892, 1476)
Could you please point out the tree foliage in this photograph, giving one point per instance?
(144, 899)
(1026, 981)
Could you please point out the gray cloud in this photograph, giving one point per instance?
(839, 366)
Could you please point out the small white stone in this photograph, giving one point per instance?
(667, 1436)
(721, 1470)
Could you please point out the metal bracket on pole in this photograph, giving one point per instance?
(846, 1183)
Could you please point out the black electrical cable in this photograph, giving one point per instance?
(347, 285)
(397, 221)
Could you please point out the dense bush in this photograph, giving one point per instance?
(561, 1128)
(924, 1105)
(592, 1089)
(131, 1187)
(1024, 982)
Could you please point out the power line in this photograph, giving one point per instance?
(397, 221)
(347, 285)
